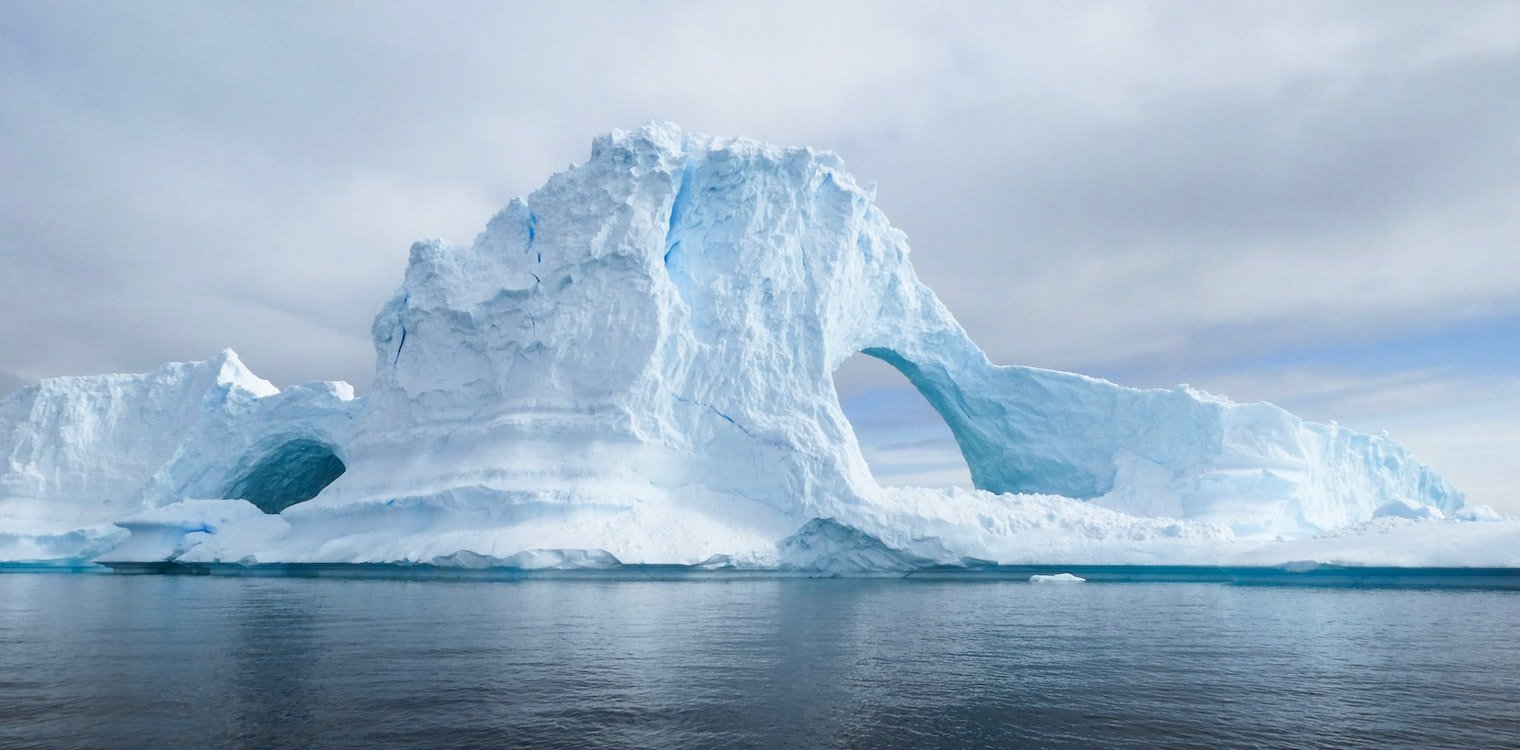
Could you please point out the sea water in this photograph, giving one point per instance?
(114, 661)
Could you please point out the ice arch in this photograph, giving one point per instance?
(644, 346)
(942, 394)
(292, 472)
(904, 438)
(1024, 429)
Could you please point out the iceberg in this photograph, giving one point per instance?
(633, 365)
(83, 453)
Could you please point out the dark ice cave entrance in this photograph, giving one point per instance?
(293, 472)
(904, 440)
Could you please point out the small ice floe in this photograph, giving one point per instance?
(1057, 578)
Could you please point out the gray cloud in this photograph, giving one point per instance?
(1141, 190)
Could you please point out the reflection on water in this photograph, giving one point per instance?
(112, 661)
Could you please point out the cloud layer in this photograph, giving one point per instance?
(1153, 192)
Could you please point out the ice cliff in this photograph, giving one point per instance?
(634, 364)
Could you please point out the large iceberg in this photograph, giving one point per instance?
(634, 365)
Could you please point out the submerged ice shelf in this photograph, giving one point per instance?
(633, 365)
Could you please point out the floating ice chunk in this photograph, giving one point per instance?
(1056, 578)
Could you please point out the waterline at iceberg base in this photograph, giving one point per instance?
(633, 367)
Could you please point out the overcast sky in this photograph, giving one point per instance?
(1314, 204)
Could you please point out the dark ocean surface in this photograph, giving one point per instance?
(112, 661)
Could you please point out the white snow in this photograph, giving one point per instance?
(1401, 508)
(633, 365)
(1477, 513)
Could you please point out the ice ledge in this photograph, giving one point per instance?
(193, 532)
(1307, 575)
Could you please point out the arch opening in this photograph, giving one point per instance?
(294, 472)
(905, 440)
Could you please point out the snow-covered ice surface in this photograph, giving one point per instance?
(633, 365)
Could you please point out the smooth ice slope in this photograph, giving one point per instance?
(633, 365)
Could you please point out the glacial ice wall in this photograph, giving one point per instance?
(637, 359)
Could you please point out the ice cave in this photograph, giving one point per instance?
(292, 472)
